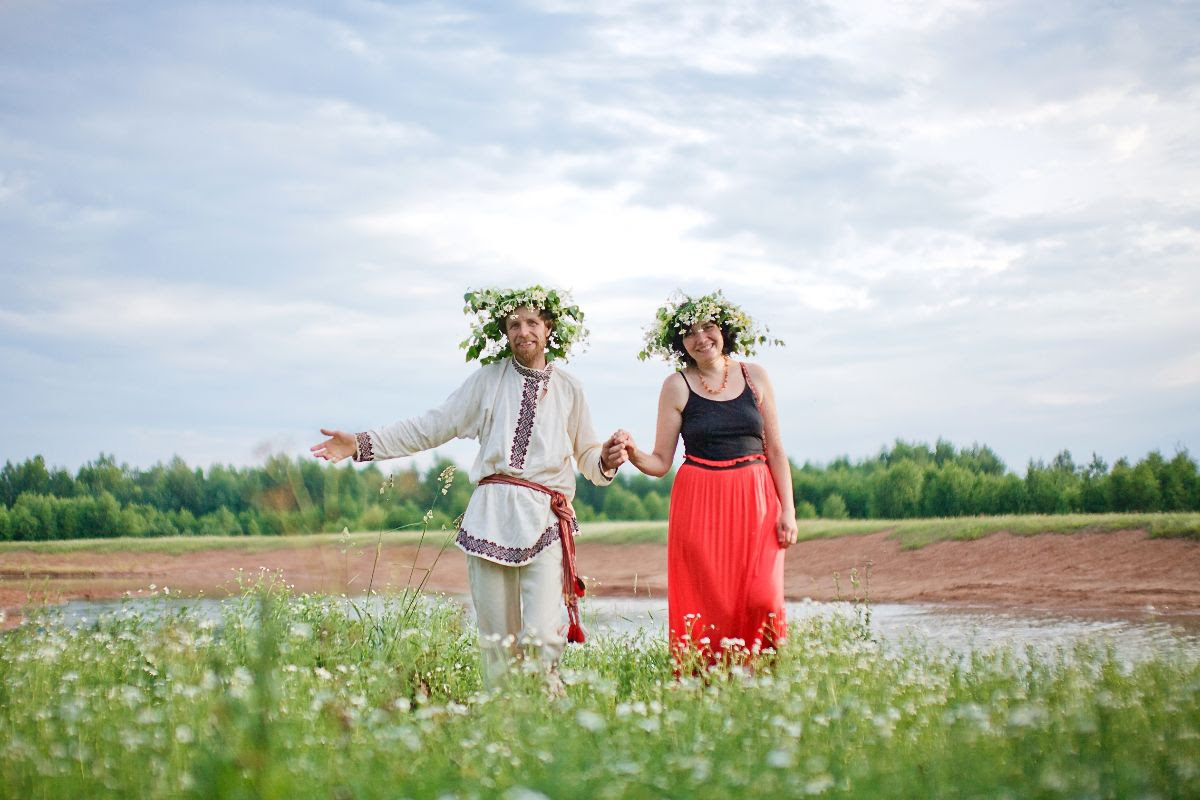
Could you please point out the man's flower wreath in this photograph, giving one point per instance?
(683, 311)
(490, 307)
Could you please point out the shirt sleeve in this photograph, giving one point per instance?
(460, 417)
(586, 445)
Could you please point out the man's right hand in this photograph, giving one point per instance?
(338, 446)
(616, 450)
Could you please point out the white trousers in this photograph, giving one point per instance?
(519, 611)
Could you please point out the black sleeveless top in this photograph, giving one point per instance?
(721, 430)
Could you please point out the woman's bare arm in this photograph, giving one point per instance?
(666, 435)
(777, 460)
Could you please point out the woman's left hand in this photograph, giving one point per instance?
(785, 528)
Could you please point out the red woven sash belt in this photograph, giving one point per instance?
(740, 461)
(572, 585)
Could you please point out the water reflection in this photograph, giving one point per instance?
(955, 628)
(952, 627)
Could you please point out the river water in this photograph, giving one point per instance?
(955, 628)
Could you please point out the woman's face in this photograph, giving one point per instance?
(527, 336)
(704, 342)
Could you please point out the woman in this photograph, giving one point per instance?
(732, 513)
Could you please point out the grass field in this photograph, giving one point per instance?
(325, 701)
(912, 533)
(915, 533)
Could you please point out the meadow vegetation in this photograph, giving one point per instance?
(911, 533)
(286, 696)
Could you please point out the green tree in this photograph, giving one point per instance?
(454, 502)
(1095, 495)
(656, 505)
(808, 483)
(1178, 484)
(853, 485)
(104, 475)
(591, 495)
(69, 516)
(403, 515)
(102, 517)
(947, 490)
(834, 507)
(181, 488)
(221, 522)
(1145, 494)
(1133, 488)
(584, 512)
(62, 484)
(222, 489)
(943, 452)
(134, 520)
(998, 494)
(331, 506)
(1041, 490)
(33, 517)
(620, 503)
(352, 494)
(897, 491)
(981, 460)
(916, 452)
(30, 477)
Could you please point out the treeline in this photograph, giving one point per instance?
(291, 496)
(283, 496)
(916, 480)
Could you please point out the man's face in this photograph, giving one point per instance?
(527, 334)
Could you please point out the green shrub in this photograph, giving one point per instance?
(834, 507)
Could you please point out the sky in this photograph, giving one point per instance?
(224, 225)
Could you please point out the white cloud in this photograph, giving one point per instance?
(1180, 373)
(197, 326)
(984, 213)
(551, 230)
(1064, 399)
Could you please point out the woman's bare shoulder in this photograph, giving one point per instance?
(675, 386)
(758, 372)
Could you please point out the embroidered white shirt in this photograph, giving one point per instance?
(530, 424)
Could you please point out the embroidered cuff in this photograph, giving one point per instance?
(366, 450)
(605, 473)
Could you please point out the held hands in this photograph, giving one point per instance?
(785, 528)
(617, 450)
(338, 446)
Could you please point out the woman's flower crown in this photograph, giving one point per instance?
(491, 307)
(683, 311)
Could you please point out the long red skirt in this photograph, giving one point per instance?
(724, 562)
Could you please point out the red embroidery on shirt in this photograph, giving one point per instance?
(529, 397)
(511, 555)
(366, 450)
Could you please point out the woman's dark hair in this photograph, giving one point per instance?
(728, 341)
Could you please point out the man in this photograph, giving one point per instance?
(530, 419)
